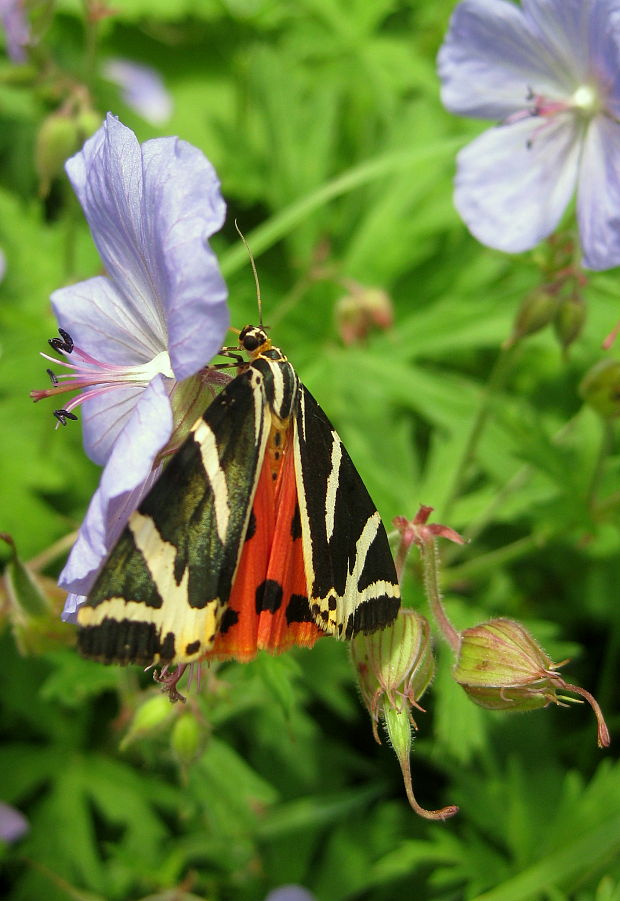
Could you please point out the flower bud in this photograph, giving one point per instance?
(149, 716)
(501, 667)
(33, 606)
(361, 310)
(394, 664)
(537, 310)
(600, 388)
(186, 738)
(570, 319)
(57, 139)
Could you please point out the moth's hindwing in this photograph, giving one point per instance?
(350, 570)
(163, 590)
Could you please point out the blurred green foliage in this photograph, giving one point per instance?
(324, 122)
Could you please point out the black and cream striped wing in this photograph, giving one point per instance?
(350, 570)
(163, 590)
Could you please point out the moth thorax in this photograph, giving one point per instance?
(254, 339)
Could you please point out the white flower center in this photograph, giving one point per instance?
(586, 99)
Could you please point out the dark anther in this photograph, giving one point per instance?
(65, 342)
(66, 337)
(63, 415)
(53, 378)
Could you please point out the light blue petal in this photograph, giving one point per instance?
(574, 36)
(108, 180)
(512, 195)
(184, 206)
(101, 322)
(142, 89)
(13, 824)
(491, 59)
(290, 893)
(125, 480)
(151, 211)
(598, 195)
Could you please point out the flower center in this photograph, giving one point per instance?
(586, 99)
(92, 377)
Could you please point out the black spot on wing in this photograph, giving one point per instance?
(251, 529)
(298, 610)
(268, 596)
(296, 523)
(125, 641)
(229, 619)
(192, 648)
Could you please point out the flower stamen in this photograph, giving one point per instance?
(92, 377)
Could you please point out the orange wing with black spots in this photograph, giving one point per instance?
(268, 607)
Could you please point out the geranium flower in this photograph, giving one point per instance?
(549, 72)
(16, 29)
(157, 318)
(142, 89)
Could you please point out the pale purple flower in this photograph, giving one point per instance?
(142, 89)
(157, 317)
(2, 265)
(13, 824)
(290, 893)
(549, 72)
(16, 29)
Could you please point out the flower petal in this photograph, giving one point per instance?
(514, 182)
(125, 480)
(491, 59)
(182, 202)
(143, 89)
(101, 322)
(598, 195)
(151, 210)
(13, 824)
(17, 29)
(107, 178)
(574, 36)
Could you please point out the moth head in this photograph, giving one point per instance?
(254, 340)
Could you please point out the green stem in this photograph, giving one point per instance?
(266, 235)
(496, 380)
(430, 568)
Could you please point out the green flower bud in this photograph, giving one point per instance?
(537, 310)
(57, 139)
(501, 667)
(149, 716)
(570, 319)
(186, 740)
(33, 605)
(600, 388)
(394, 664)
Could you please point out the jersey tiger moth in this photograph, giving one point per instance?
(259, 534)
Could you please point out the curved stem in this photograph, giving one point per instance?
(430, 566)
(599, 465)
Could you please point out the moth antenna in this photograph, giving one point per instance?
(256, 282)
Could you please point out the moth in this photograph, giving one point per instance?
(259, 534)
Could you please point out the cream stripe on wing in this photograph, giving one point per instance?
(216, 475)
(332, 486)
